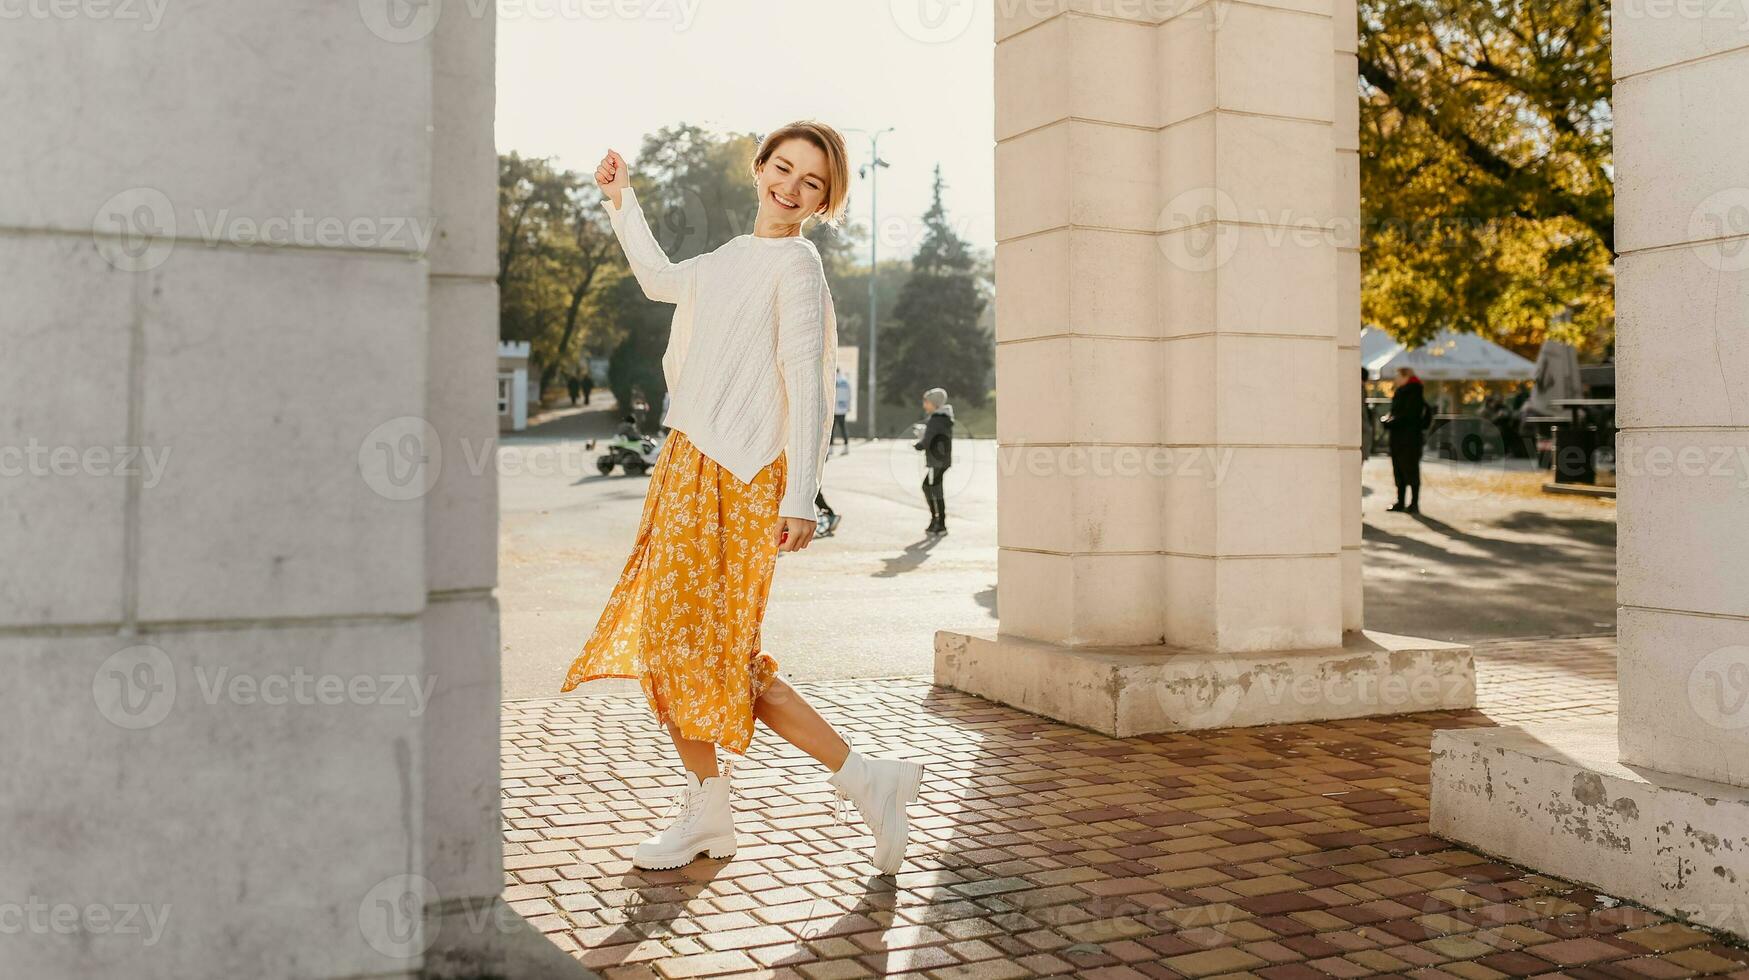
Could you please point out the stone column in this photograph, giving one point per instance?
(469, 930)
(1178, 414)
(1345, 138)
(249, 650)
(1655, 807)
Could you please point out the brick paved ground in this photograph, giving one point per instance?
(1040, 849)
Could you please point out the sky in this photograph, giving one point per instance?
(576, 77)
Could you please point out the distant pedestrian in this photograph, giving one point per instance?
(829, 517)
(840, 409)
(1408, 422)
(573, 386)
(588, 386)
(936, 441)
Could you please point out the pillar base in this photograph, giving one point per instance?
(485, 939)
(1555, 798)
(1125, 691)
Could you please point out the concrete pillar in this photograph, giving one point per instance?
(246, 620)
(1655, 808)
(1178, 432)
(1345, 139)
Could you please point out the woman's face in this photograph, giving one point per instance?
(792, 182)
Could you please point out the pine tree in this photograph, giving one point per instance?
(934, 337)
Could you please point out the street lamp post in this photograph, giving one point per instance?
(871, 170)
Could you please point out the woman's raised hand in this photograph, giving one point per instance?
(613, 176)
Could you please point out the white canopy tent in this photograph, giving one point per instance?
(1448, 357)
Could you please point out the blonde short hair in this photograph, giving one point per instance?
(827, 140)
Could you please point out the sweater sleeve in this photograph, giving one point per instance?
(807, 355)
(662, 280)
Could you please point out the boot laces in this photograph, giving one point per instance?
(685, 807)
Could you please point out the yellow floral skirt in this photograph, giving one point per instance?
(684, 617)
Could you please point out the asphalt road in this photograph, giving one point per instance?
(1490, 557)
(864, 603)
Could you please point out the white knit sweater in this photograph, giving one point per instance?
(752, 355)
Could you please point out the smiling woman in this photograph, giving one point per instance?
(800, 170)
(750, 363)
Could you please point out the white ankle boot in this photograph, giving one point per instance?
(880, 788)
(703, 822)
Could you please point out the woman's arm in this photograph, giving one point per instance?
(662, 280)
(807, 354)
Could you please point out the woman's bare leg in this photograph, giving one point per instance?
(698, 756)
(787, 713)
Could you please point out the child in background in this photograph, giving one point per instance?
(936, 441)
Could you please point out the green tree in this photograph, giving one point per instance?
(1486, 175)
(554, 244)
(935, 337)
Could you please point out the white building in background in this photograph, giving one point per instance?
(513, 388)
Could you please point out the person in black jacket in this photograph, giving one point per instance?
(936, 441)
(1408, 422)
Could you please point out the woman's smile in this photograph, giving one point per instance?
(788, 204)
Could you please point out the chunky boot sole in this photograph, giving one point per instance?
(718, 848)
(889, 852)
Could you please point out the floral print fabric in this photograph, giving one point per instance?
(684, 617)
